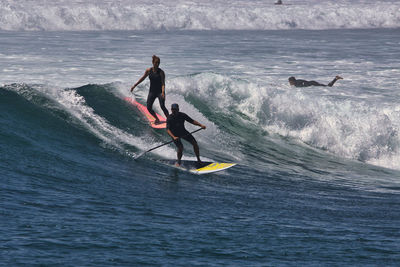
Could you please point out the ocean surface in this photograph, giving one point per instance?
(318, 175)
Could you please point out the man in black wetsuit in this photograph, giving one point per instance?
(157, 87)
(176, 129)
(304, 83)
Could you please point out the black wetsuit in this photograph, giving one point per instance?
(304, 83)
(155, 92)
(176, 124)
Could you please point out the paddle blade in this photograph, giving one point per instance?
(141, 154)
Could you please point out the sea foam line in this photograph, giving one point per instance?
(188, 15)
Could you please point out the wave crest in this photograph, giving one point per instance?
(187, 15)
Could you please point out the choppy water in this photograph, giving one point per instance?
(318, 175)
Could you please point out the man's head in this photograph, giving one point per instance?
(292, 80)
(174, 108)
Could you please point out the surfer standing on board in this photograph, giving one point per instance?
(304, 83)
(157, 87)
(176, 129)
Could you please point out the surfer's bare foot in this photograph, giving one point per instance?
(339, 78)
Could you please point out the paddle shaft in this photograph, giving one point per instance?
(166, 143)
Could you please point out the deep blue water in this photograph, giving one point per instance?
(69, 199)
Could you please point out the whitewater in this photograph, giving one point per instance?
(197, 15)
(318, 174)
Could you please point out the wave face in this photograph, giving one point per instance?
(45, 15)
(70, 192)
(344, 129)
(245, 82)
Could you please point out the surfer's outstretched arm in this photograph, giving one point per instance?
(334, 80)
(199, 124)
(146, 73)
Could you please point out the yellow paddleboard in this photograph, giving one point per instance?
(213, 167)
(202, 168)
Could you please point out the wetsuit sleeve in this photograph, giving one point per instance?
(168, 123)
(187, 118)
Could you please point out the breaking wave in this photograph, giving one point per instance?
(44, 15)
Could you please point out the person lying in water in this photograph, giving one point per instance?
(304, 83)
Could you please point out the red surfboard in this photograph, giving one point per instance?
(146, 113)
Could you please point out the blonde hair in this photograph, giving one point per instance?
(155, 58)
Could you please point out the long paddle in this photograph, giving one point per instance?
(141, 154)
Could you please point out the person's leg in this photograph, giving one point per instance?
(179, 151)
(162, 105)
(193, 141)
(334, 80)
(314, 83)
(150, 100)
(179, 154)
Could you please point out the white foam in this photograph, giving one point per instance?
(194, 15)
(351, 127)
